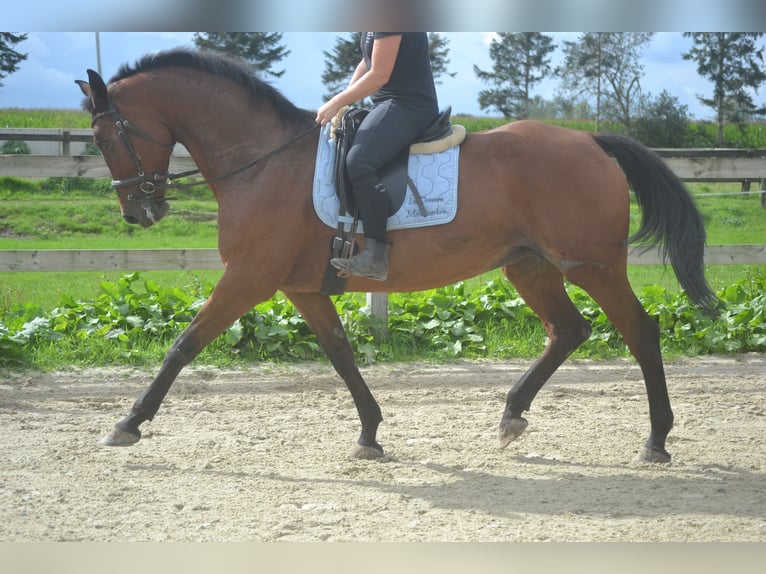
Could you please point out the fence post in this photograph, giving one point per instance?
(65, 141)
(378, 303)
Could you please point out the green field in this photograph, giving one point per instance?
(43, 118)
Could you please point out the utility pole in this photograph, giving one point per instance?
(98, 53)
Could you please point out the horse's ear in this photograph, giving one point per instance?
(95, 91)
(85, 87)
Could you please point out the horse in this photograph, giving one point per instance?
(544, 203)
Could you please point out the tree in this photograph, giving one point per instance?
(731, 61)
(664, 122)
(571, 107)
(519, 61)
(10, 58)
(261, 49)
(605, 65)
(438, 47)
(339, 65)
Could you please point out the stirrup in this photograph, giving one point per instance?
(373, 260)
(343, 266)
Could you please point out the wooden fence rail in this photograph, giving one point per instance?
(32, 260)
(45, 142)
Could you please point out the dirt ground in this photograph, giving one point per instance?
(263, 455)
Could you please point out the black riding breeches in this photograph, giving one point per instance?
(385, 131)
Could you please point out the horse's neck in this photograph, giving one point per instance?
(221, 129)
(215, 140)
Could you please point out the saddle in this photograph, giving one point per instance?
(394, 177)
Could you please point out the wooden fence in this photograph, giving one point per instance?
(49, 141)
(28, 260)
(691, 165)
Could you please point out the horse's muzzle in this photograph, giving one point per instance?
(146, 214)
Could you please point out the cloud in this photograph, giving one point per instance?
(42, 87)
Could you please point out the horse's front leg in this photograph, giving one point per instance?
(226, 304)
(319, 312)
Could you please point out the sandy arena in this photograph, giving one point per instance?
(262, 455)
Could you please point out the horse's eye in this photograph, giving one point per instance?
(103, 145)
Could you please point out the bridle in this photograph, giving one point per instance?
(149, 184)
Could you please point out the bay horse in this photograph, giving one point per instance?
(544, 203)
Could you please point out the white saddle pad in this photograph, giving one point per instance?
(435, 176)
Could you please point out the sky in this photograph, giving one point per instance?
(56, 59)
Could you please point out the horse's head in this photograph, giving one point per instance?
(137, 157)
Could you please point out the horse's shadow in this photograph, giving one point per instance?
(627, 492)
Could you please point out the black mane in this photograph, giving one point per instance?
(220, 66)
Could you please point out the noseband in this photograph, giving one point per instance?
(149, 184)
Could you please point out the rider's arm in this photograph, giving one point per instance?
(365, 82)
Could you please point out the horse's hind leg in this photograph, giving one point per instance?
(541, 285)
(319, 312)
(611, 290)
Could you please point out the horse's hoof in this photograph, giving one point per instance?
(512, 431)
(647, 454)
(366, 452)
(120, 437)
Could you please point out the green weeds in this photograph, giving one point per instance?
(133, 321)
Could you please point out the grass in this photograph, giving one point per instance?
(51, 222)
(146, 352)
(45, 290)
(43, 118)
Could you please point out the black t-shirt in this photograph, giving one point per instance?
(411, 80)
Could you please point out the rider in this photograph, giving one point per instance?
(395, 71)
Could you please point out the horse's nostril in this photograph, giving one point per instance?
(132, 219)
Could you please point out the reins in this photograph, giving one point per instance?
(235, 171)
(149, 184)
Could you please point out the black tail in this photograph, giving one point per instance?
(670, 218)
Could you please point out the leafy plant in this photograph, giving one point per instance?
(13, 147)
(450, 322)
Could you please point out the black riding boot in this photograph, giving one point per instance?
(372, 201)
(371, 262)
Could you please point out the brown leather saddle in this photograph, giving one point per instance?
(394, 177)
